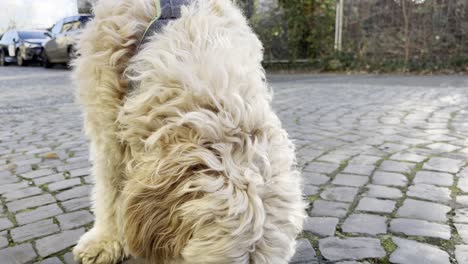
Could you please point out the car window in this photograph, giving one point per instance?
(76, 25)
(14, 36)
(31, 35)
(66, 27)
(6, 37)
(84, 20)
(57, 27)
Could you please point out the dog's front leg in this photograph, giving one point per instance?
(104, 243)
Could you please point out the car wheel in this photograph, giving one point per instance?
(45, 61)
(19, 59)
(71, 57)
(2, 59)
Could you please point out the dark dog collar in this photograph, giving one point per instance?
(166, 10)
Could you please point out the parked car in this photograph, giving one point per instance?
(60, 47)
(21, 46)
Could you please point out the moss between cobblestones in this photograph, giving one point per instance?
(388, 245)
(312, 198)
(455, 190)
(34, 167)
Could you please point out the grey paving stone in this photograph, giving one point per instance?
(80, 172)
(389, 179)
(442, 147)
(5, 223)
(461, 215)
(429, 192)
(34, 230)
(75, 192)
(396, 166)
(30, 202)
(327, 208)
(321, 226)
(412, 227)
(89, 179)
(412, 252)
(365, 224)
(21, 193)
(322, 167)
(333, 158)
(462, 230)
(463, 184)
(69, 258)
(58, 242)
(38, 173)
(378, 191)
(408, 156)
(461, 253)
(359, 169)
(53, 260)
(350, 180)
(3, 242)
(23, 253)
(435, 178)
(340, 194)
(48, 179)
(365, 160)
(462, 199)
(392, 147)
(13, 187)
(38, 214)
(375, 205)
(314, 178)
(305, 253)
(75, 219)
(61, 185)
(76, 204)
(308, 190)
(444, 165)
(355, 248)
(423, 210)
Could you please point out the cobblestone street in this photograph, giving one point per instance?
(383, 161)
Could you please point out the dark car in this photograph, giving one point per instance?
(21, 46)
(60, 47)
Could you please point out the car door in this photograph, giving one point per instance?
(51, 47)
(62, 40)
(13, 40)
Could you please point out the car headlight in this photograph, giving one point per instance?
(31, 45)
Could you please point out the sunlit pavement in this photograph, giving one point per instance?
(383, 161)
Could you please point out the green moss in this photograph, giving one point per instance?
(388, 245)
(312, 198)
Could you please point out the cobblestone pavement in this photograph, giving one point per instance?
(383, 162)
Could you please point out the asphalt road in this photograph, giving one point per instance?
(383, 158)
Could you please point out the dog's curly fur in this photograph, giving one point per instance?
(192, 166)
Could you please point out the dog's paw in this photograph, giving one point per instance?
(94, 248)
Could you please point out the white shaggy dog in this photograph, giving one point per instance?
(192, 165)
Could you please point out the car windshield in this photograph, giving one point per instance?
(31, 35)
(85, 19)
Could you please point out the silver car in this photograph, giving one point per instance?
(60, 46)
(21, 46)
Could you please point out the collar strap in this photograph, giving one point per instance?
(166, 10)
